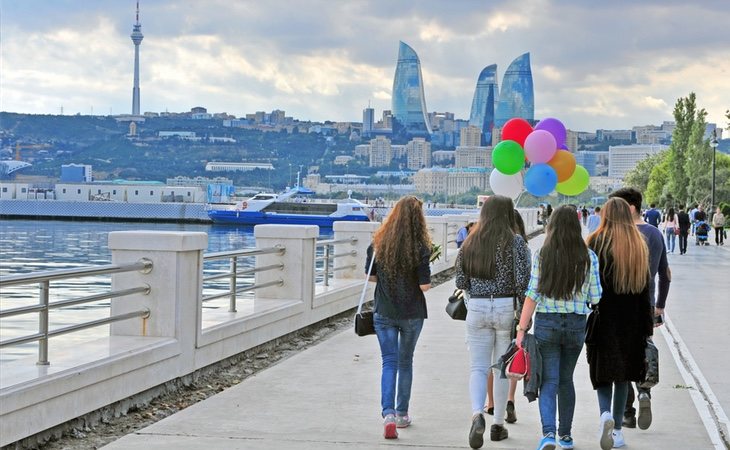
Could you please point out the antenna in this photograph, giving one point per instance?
(137, 12)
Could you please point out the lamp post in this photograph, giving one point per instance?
(713, 144)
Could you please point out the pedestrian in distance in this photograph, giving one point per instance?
(616, 348)
(658, 267)
(718, 223)
(594, 220)
(584, 214)
(463, 233)
(564, 284)
(671, 229)
(685, 224)
(652, 216)
(692, 217)
(492, 265)
(402, 273)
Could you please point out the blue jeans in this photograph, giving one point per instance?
(670, 238)
(397, 338)
(619, 400)
(560, 339)
(488, 327)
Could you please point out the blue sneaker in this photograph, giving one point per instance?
(547, 442)
(566, 442)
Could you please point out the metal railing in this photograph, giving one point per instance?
(44, 306)
(328, 256)
(233, 273)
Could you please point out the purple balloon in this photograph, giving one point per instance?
(554, 127)
(540, 146)
(564, 147)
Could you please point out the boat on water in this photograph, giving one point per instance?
(290, 207)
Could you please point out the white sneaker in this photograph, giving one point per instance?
(606, 431)
(618, 438)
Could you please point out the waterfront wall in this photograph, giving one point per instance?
(179, 336)
(100, 210)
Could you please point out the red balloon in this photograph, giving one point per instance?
(516, 129)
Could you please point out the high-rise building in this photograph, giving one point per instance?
(136, 39)
(380, 152)
(623, 158)
(418, 152)
(470, 136)
(368, 121)
(409, 102)
(484, 103)
(517, 96)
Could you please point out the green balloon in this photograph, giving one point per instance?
(508, 157)
(576, 184)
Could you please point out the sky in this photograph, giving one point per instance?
(595, 64)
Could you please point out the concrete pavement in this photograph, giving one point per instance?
(327, 396)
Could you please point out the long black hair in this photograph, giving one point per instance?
(564, 260)
(495, 231)
(670, 214)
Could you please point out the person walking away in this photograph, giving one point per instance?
(692, 217)
(564, 283)
(584, 213)
(616, 350)
(492, 265)
(718, 223)
(658, 265)
(684, 223)
(671, 229)
(402, 247)
(594, 220)
(463, 233)
(652, 216)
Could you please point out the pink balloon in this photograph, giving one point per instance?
(540, 146)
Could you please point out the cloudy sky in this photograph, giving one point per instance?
(595, 64)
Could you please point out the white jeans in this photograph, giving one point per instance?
(488, 324)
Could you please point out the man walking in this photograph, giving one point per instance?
(659, 265)
(652, 217)
(684, 226)
(594, 220)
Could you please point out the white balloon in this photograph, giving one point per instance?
(508, 185)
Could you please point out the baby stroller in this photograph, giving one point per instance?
(702, 229)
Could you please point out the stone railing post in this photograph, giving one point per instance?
(363, 232)
(175, 283)
(298, 260)
(438, 227)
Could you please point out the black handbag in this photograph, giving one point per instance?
(364, 323)
(593, 324)
(652, 366)
(456, 308)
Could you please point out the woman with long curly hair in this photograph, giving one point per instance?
(492, 265)
(401, 269)
(616, 348)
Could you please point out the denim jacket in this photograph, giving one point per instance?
(533, 383)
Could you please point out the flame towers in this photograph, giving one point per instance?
(484, 103)
(136, 39)
(409, 102)
(517, 97)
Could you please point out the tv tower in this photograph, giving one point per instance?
(136, 39)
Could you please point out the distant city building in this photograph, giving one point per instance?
(368, 121)
(198, 110)
(441, 156)
(436, 180)
(484, 103)
(342, 160)
(588, 161)
(470, 136)
(380, 152)
(571, 141)
(409, 102)
(362, 151)
(615, 135)
(76, 173)
(217, 166)
(517, 96)
(472, 156)
(418, 152)
(188, 135)
(623, 158)
(347, 178)
(605, 185)
(196, 181)
(137, 40)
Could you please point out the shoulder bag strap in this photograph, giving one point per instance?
(365, 286)
(514, 277)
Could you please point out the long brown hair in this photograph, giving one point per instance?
(621, 248)
(564, 260)
(495, 230)
(399, 240)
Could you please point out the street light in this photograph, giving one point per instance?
(713, 144)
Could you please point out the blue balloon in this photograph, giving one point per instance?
(540, 180)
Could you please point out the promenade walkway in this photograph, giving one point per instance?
(327, 397)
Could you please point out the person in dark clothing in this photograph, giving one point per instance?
(402, 248)
(652, 216)
(658, 265)
(684, 226)
(616, 349)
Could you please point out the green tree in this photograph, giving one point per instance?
(697, 165)
(639, 176)
(685, 117)
(657, 190)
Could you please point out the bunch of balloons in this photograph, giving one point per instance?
(552, 166)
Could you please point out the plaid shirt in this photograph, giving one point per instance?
(590, 292)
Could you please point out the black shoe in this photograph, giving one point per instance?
(629, 422)
(476, 434)
(489, 410)
(644, 411)
(498, 433)
(511, 415)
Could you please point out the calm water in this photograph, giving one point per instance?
(28, 246)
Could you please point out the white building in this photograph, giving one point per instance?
(623, 158)
(218, 166)
(418, 152)
(189, 135)
(437, 180)
(472, 156)
(380, 152)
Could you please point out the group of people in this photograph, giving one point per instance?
(682, 224)
(612, 273)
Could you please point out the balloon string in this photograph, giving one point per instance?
(519, 197)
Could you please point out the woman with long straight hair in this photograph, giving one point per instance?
(671, 224)
(492, 265)
(401, 269)
(564, 283)
(616, 349)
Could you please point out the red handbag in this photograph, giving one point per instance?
(518, 366)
